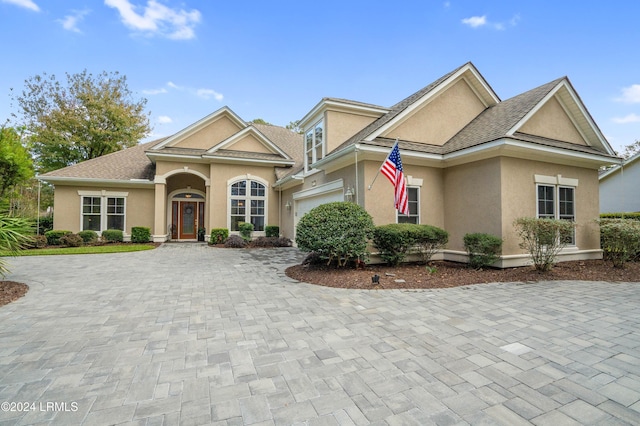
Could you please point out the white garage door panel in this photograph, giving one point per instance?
(305, 205)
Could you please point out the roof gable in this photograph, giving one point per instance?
(250, 139)
(207, 132)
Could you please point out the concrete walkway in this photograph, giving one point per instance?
(191, 335)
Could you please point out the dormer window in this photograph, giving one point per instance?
(314, 144)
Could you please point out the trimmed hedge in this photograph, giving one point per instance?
(620, 240)
(71, 240)
(53, 236)
(396, 240)
(272, 231)
(338, 232)
(113, 236)
(140, 234)
(483, 249)
(88, 236)
(219, 235)
(634, 216)
(543, 239)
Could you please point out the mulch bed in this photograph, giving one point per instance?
(11, 290)
(451, 274)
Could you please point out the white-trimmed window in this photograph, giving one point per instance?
(248, 204)
(314, 144)
(101, 210)
(413, 195)
(557, 202)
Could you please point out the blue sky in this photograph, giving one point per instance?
(276, 59)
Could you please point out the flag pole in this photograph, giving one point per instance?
(376, 176)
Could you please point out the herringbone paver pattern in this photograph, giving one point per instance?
(191, 335)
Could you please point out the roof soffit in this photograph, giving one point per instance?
(201, 124)
(467, 73)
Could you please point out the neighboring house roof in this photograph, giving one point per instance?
(128, 164)
(626, 163)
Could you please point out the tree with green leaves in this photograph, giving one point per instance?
(631, 149)
(16, 166)
(85, 118)
(260, 121)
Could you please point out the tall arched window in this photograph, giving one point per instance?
(248, 204)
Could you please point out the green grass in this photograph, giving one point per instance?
(115, 248)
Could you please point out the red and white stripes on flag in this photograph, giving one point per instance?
(392, 169)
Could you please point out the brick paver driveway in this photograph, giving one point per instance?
(187, 334)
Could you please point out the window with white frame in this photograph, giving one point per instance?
(248, 204)
(314, 144)
(557, 202)
(413, 196)
(101, 211)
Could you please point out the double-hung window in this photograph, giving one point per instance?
(557, 202)
(413, 196)
(314, 144)
(248, 204)
(102, 210)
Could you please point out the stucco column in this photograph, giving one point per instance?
(160, 211)
(207, 206)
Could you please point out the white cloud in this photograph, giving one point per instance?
(27, 4)
(631, 118)
(70, 22)
(157, 19)
(630, 94)
(164, 119)
(209, 93)
(154, 91)
(481, 21)
(475, 21)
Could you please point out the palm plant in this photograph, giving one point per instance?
(15, 234)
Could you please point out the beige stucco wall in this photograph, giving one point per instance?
(139, 207)
(441, 118)
(340, 126)
(519, 187)
(209, 136)
(472, 200)
(551, 121)
(249, 143)
(221, 174)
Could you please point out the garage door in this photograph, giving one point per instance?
(306, 200)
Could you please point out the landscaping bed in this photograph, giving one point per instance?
(450, 274)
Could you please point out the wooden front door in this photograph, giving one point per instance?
(188, 213)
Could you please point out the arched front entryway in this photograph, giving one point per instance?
(187, 214)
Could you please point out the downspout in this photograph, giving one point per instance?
(357, 185)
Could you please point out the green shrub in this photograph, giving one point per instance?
(483, 249)
(88, 236)
(620, 240)
(71, 240)
(396, 240)
(45, 223)
(219, 235)
(235, 241)
(337, 231)
(53, 236)
(430, 240)
(246, 229)
(112, 236)
(15, 235)
(140, 234)
(543, 239)
(393, 241)
(272, 231)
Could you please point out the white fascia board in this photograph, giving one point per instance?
(176, 157)
(324, 188)
(189, 130)
(223, 159)
(333, 105)
(94, 181)
(361, 148)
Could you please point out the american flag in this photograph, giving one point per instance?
(392, 169)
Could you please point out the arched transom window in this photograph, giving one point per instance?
(248, 204)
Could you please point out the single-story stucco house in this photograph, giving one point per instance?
(620, 187)
(473, 163)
